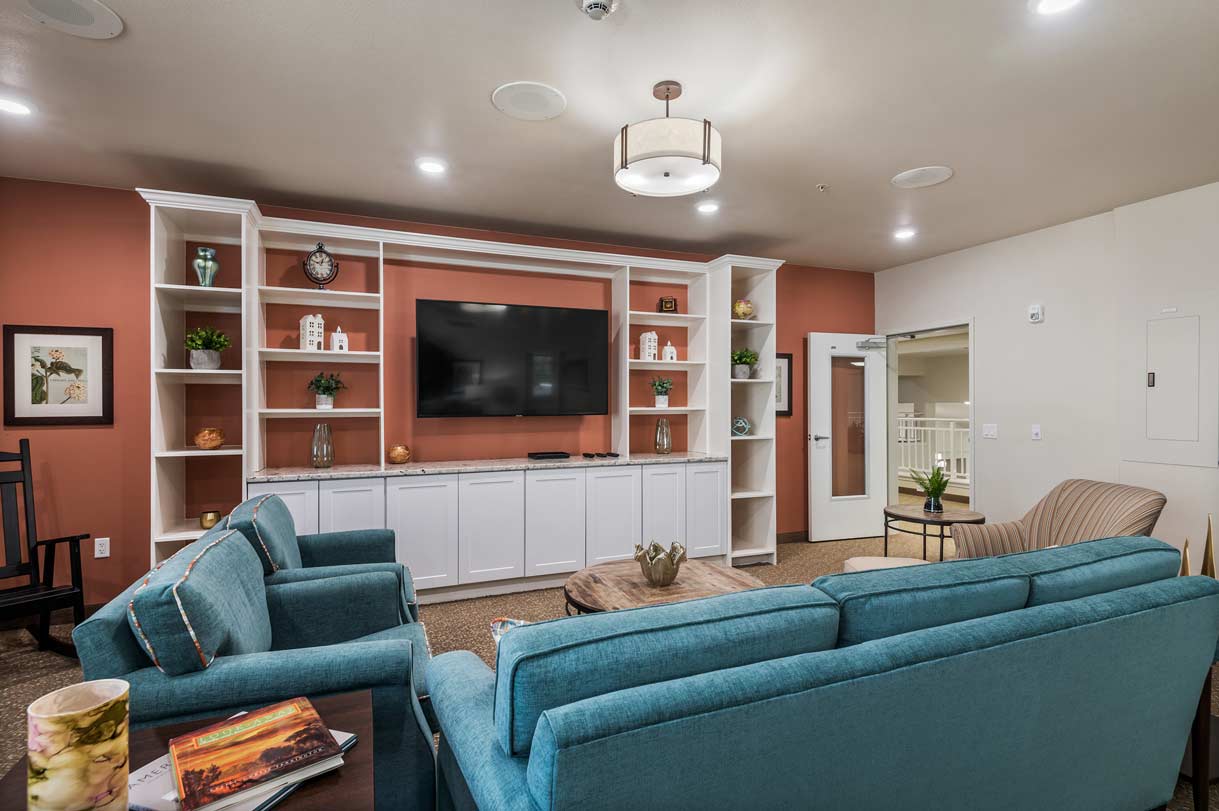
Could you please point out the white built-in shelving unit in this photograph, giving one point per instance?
(252, 296)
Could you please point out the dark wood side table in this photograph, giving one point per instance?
(621, 584)
(916, 515)
(348, 787)
(1199, 765)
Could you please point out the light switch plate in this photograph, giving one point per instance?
(101, 547)
(1035, 432)
(990, 430)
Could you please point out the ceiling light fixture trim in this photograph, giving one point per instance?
(667, 157)
(529, 101)
(922, 177)
(90, 19)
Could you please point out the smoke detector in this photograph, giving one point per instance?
(597, 9)
(90, 19)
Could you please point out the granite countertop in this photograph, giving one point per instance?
(286, 474)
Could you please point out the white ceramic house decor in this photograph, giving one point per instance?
(313, 333)
(669, 352)
(338, 340)
(649, 343)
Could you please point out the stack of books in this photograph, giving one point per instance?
(249, 762)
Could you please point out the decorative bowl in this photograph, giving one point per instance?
(208, 439)
(209, 519)
(398, 454)
(660, 567)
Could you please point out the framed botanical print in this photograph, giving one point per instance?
(58, 375)
(783, 384)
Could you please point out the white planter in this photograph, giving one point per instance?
(323, 401)
(662, 401)
(204, 359)
(741, 371)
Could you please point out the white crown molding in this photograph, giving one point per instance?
(200, 202)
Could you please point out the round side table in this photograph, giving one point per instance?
(941, 521)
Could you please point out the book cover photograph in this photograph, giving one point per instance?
(231, 757)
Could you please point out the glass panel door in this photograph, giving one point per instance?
(848, 421)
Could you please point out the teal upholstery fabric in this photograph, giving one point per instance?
(414, 633)
(549, 664)
(1084, 704)
(267, 524)
(309, 613)
(1094, 567)
(408, 609)
(350, 546)
(104, 642)
(886, 602)
(205, 601)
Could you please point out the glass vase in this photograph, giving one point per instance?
(322, 452)
(206, 266)
(664, 436)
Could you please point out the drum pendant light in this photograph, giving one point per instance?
(667, 157)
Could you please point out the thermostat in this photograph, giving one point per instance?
(1036, 313)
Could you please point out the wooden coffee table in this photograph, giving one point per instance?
(917, 515)
(621, 584)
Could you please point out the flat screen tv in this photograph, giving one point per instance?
(507, 360)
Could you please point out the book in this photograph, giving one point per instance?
(222, 764)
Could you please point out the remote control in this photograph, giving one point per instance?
(601, 456)
(612, 455)
(590, 455)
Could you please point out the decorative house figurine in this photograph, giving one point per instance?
(313, 333)
(649, 342)
(669, 352)
(338, 340)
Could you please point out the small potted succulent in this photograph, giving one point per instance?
(743, 361)
(324, 387)
(205, 345)
(933, 485)
(661, 386)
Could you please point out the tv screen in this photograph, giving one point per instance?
(505, 360)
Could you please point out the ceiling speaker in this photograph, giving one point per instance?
(921, 177)
(529, 101)
(90, 19)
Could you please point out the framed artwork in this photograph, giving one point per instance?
(783, 384)
(58, 375)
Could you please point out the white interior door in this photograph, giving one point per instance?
(846, 441)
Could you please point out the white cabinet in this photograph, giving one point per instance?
(492, 509)
(345, 504)
(301, 498)
(664, 504)
(613, 513)
(706, 509)
(423, 513)
(554, 521)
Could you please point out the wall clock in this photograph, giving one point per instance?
(320, 267)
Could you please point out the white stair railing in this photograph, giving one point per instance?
(925, 442)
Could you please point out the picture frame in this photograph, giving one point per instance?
(58, 375)
(783, 384)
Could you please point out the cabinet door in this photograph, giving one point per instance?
(301, 498)
(706, 509)
(423, 513)
(664, 504)
(492, 526)
(351, 504)
(554, 521)
(613, 513)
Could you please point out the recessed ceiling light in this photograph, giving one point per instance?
(708, 207)
(431, 166)
(904, 234)
(1052, 6)
(90, 19)
(921, 177)
(14, 107)
(529, 101)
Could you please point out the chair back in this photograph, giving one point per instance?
(1082, 510)
(15, 562)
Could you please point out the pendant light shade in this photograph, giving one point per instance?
(667, 157)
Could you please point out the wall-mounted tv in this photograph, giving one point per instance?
(507, 360)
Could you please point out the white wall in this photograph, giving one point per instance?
(1070, 373)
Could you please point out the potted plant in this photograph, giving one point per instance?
(661, 386)
(933, 485)
(324, 387)
(743, 361)
(205, 345)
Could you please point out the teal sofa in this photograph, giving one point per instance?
(1061, 678)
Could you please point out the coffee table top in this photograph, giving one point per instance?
(348, 787)
(621, 584)
(909, 512)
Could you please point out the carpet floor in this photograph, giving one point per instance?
(26, 672)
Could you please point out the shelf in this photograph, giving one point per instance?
(743, 494)
(182, 530)
(750, 438)
(667, 365)
(319, 412)
(645, 410)
(754, 380)
(201, 299)
(176, 453)
(647, 319)
(310, 356)
(751, 551)
(319, 298)
(751, 322)
(231, 377)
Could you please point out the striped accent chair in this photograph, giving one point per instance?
(1076, 510)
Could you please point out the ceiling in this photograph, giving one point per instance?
(324, 104)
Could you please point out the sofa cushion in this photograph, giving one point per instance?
(886, 602)
(549, 664)
(207, 600)
(268, 525)
(1093, 567)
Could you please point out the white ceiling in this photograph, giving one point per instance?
(326, 104)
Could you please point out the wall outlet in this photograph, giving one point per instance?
(990, 431)
(1035, 431)
(101, 547)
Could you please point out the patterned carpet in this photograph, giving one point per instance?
(26, 672)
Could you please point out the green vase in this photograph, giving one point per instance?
(206, 267)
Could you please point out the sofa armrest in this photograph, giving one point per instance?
(310, 613)
(988, 540)
(410, 609)
(352, 546)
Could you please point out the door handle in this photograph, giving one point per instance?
(818, 437)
